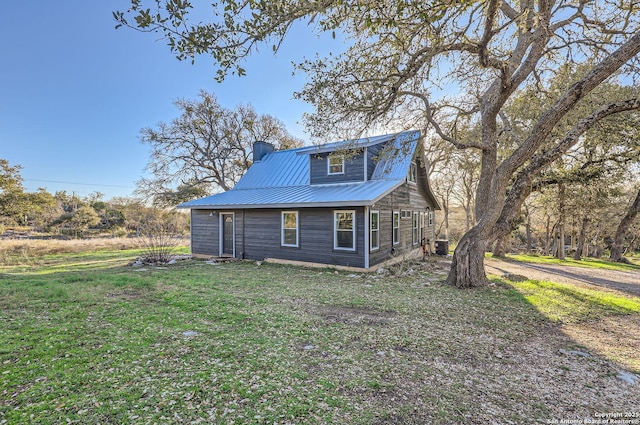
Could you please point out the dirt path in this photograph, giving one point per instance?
(628, 282)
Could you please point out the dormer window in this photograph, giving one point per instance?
(413, 172)
(335, 164)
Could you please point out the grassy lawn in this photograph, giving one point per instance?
(595, 263)
(86, 339)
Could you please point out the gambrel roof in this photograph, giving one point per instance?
(281, 179)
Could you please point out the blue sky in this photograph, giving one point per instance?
(75, 92)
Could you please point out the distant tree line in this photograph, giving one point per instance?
(67, 214)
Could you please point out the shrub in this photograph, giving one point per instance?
(160, 234)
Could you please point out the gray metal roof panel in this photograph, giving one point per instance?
(395, 163)
(280, 168)
(361, 193)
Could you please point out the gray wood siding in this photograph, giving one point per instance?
(263, 234)
(353, 170)
(204, 233)
(408, 197)
(241, 230)
(258, 232)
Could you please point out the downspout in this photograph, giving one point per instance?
(366, 237)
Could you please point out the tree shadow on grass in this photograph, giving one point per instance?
(603, 322)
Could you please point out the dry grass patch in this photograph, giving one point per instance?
(15, 252)
(616, 338)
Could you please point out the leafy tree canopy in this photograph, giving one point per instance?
(10, 178)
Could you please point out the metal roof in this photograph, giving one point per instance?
(346, 194)
(280, 168)
(347, 144)
(281, 180)
(395, 163)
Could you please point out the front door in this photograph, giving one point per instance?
(227, 234)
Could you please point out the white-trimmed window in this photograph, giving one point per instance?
(289, 235)
(413, 172)
(430, 217)
(396, 227)
(422, 221)
(374, 236)
(335, 164)
(416, 223)
(344, 230)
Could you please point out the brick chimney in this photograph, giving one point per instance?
(260, 149)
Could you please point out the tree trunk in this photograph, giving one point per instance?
(527, 229)
(582, 236)
(547, 247)
(631, 246)
(595, 243)
(556, 244)
(467, 218)
(445, 210)
(623, 227)
(467, 266)
(560, 254)
(499, 248)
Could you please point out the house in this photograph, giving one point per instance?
(352, 203)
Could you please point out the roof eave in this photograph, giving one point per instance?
(361, 203)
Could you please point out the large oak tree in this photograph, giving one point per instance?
(454, 62)
(207, 148)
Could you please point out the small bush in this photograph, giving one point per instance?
(119, 232)
(160, 235)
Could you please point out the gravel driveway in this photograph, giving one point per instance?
(628, 282)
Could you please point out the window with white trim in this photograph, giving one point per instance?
(422, 221)
(396, 227)
(413, 172)
(289, 236)
(374, 224)
(335, 164)
(344, 230)
(416, 221)
(430, 218)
